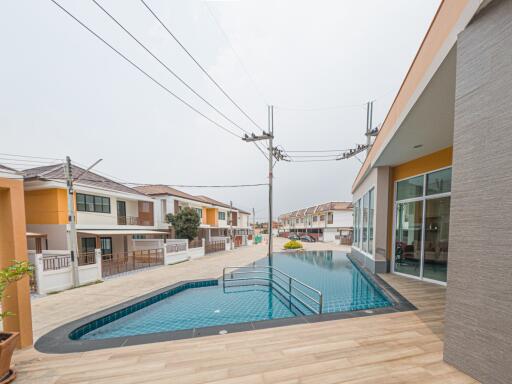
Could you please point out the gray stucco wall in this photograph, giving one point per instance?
(478, 327)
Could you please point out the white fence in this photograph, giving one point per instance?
(197, 252)
(53, 271)
(176, 251)
(225, 239)
(143, 244)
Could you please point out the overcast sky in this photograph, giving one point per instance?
(62, 92)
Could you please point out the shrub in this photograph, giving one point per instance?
(293, 244)
(11, 274)
(186, 222)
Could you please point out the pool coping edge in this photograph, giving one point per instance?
(57, 341)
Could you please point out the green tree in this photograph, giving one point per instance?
(186, 223)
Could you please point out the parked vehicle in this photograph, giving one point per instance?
(293, 236)
(307, 239)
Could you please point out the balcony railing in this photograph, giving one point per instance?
(131, 220)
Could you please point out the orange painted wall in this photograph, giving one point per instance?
(212, 216)
(203, 219)
(46, 206)
(436, 160)
(13, 246)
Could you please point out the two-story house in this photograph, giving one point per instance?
(217, 218)
(109, 215)
(326, 222)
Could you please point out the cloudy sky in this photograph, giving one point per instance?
(63, 92)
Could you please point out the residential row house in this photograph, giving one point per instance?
(112, 216)
(218, 219)
(326, 222)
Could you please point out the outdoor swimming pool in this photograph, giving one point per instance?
(217, 306)
(343, 286)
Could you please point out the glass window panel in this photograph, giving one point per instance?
(409, 218)
(356, 224)
(89, 203)
(370, 220)
(106, 205)
(439, 182)
(80, 202)
(410, 188)
(437, 228)
(98, 204)
(106, 245)
(88, 244)
(365, 223)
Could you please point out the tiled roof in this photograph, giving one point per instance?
(10, 170)
(330, 206)
(91, 179)
(209, 200)
(153, 190)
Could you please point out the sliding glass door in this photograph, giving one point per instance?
(409, 218)
(437, 228)
(422, 225)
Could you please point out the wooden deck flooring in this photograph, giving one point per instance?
(392, 348)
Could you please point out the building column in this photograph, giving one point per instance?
(13, 247)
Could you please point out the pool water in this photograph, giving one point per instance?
(343, 286)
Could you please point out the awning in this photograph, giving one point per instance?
(33, 234)
(101, 232)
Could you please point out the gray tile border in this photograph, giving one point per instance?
(59, 341)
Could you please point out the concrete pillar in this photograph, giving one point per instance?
(97, 256)
(38, 272)
(13, 246)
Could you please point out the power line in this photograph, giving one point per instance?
(318, 151)
(244, 68)
(166, 67)
(28, 161)
(331, 107)
(31, 157)
(197, 63)
(312, 161)
(313, 109)
(308, 156)
(143, 71)
(136, 184)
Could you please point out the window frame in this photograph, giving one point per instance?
(358, 223)
(424, 198)
(100, 204)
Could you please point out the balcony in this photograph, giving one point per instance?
(131, 220)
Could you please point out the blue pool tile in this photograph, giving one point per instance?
(206, 303)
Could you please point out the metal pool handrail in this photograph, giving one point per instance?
(282, 276)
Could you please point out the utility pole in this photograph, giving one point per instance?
(231, 224)
(272, 153)
(270, 178)
(253, 221)
(369, 117)
(72, 237)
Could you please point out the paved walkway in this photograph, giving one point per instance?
(393, 348)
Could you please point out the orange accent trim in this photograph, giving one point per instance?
(442, 24)
(212, 216)
(436, 160)
(13, 246)
(46, 206)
